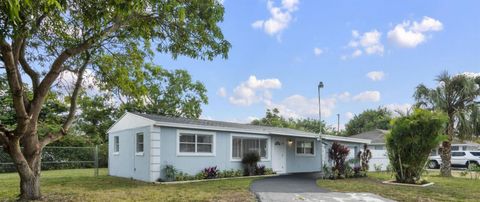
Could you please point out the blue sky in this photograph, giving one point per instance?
(368, 54)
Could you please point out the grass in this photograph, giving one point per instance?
(81, 185)
(444, 189)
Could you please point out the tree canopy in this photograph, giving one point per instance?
(411, 140)
(113, 40)
(456, 96)
(369, 119)
(274, 119)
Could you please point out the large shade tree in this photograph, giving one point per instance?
(40, 40)
(454, 95)
(368, 120)
(273, 118)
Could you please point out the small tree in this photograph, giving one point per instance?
(250, 161)
(410, 141)
(338, 153)
(365, 157)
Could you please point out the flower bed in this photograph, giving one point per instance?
(209, 173)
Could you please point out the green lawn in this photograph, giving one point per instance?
(444, 189)
(81, 185)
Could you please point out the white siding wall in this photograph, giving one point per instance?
(155, 152)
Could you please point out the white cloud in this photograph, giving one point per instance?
(376, 75)
(344, 97)
(222, 92)
(254, 91)
(349, 115)
(317, 51)
(471, 74)
(206, 117)
(368, 43)
(367, 96)
(298, 106)
(280, 17)
(399, 108)
(252, 118)
(67, 80)
(411, 34)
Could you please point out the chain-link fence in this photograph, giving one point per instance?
(54, 158)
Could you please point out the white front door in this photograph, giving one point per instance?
(279, 155)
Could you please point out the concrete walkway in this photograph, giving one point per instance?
(303, 187)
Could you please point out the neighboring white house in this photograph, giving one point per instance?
(379, 150)
(141, 145)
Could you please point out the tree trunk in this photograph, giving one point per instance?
(27, 163)
(30, 188)
(446, 166)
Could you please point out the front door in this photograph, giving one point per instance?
(279, 155)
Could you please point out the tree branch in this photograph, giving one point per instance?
(73, 106)
(57, 67)
(76, 91)
(16, 88)
(27, 68)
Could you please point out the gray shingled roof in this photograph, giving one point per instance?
(223, 124)
(377, 136)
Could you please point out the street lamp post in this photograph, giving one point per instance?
(320, 86)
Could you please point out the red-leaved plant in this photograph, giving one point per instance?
(337, 154)
(210, 172)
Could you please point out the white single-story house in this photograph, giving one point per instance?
(141, 145)
(379, 150)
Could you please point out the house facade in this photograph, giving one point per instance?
(141, 145)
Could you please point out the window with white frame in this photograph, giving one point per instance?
(140, 144)
(116, 144)
(196, 143)
(305, 147)
(242, 145)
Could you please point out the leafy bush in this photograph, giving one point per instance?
(210, 172)
(410, 141)
(181, 176)
(269, 171)
(250, 161)
(364, 157)
(377, 167)
(326, 172)
(337, 154)
(260, 170)
(170, 172)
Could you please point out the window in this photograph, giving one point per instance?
(433, 152)
(305, 147)
(464, 148)
(116, 144)
(455, 148)
(378, 147)
(139, 141)
(190, 142)
(475, 153)
(458, 153)
(243, 145)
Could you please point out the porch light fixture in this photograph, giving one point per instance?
(290, 141)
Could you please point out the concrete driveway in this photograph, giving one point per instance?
(303, 187)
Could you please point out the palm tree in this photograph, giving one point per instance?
(455, 95)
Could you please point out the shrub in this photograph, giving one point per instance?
(326, 172)
(181, 176)
(377, 167)
(210, 172)
(250, 161)
(410, 141)
(170, 172)
(269, 171)
(337, 154)
(364, 157)
(260, 170)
